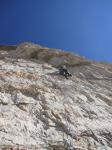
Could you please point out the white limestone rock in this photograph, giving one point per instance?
(39, 108)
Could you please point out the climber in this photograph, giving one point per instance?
(63, 71)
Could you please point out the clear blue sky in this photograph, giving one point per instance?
(82, 26)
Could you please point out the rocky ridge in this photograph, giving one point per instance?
(40, 109)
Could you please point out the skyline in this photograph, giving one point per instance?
(82, 27)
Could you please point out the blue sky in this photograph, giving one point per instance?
(81, 26)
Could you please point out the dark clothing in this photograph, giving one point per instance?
(64, 72)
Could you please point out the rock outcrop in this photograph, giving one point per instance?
(40, 109)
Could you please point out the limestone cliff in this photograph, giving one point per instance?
(41, 110)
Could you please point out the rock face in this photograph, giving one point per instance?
(40, 109)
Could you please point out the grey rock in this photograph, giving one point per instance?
(39, 108)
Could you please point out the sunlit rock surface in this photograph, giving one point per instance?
(39, 109)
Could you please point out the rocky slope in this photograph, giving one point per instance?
(40, 109)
